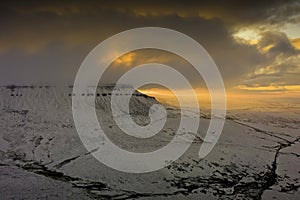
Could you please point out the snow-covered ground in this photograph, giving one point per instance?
(42, 157)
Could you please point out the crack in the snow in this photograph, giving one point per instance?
(67, 161)
(95, 189)
(290, 153)
(261, 131)
(272, 175)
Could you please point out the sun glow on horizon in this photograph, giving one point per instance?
(236, 98)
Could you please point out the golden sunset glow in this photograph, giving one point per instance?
(267, 48)
(296, 42)
(292, 88)
(126, 59)
(236, 99)
(170, 97)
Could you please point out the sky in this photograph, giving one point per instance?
(255, 44)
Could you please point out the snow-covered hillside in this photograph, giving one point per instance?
(41, 155)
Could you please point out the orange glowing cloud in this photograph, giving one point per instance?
(126, 60)
(296, 43)
(292, 88)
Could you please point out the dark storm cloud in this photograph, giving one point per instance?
(282, 66)
(278, 43)
(57, 35)
(34, 24)
(231, 10)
